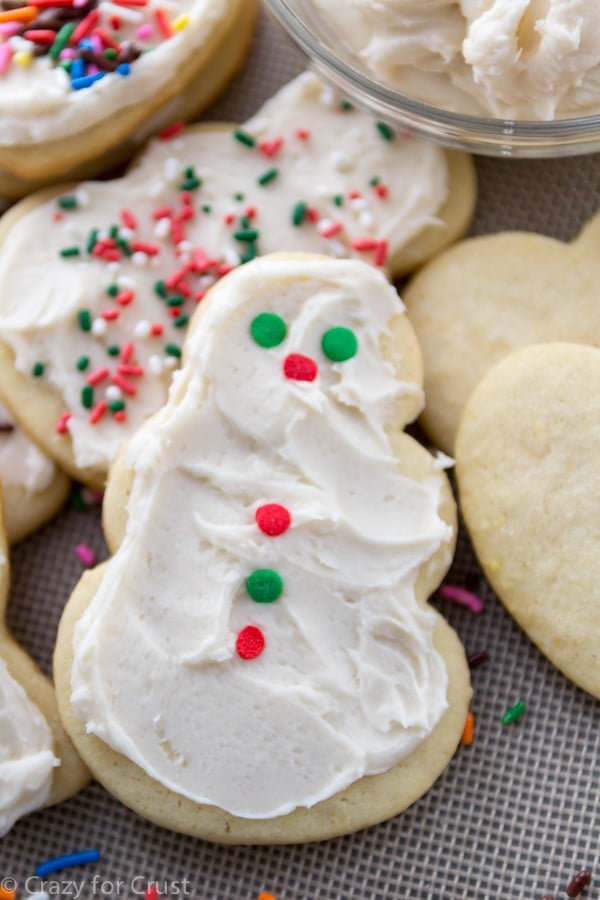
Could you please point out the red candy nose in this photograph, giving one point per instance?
(300, 368)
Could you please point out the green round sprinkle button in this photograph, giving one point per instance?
(268, 329)
(339, 344)
(264, 585)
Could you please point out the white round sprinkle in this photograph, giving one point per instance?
(139, 259)
(142, 329)
(113, 393)
(155, 365)
(99, 327)
(162, 229)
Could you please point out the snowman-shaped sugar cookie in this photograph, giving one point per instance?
(260, 640)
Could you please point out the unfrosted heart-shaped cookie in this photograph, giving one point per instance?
(528, 469)
(487, 296)
(257, 662)
(97, 284)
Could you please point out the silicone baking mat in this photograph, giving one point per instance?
(515, 815)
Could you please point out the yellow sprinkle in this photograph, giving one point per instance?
(180, 22)
(23, 58)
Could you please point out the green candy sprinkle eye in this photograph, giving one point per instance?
(339, 344)
(264, 585)
(268, 330)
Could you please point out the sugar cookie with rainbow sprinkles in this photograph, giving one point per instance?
(83, 83)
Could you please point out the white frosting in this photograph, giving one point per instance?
(338, 156)
(22, 464)
(521, 59)
(349, 682)
(26, 757)
(37, 102)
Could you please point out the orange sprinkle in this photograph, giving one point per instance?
(22, 14)
(265, 895)
(468, 730)
(7, 893)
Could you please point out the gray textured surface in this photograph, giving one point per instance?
(514, 816)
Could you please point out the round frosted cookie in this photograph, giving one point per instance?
(487, 296)
(83, 85)
(38, 764)
(33, 488)
(97, 282)
(528, 469)
(257, 661)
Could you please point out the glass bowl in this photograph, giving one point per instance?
(341, 69)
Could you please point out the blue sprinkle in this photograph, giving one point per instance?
(62, 862)
(77, 69)
(124, 69)
(85, 44)
(78, 83)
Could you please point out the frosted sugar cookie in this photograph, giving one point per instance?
(487, 296)
(33, 489)
(97, 283)
(83, 84)
(38, 765)
(528, 468)
(276, 536)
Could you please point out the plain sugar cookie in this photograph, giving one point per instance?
(257, 662)
(528, 469)
(98, 281)
(487, 296)
(38, 765)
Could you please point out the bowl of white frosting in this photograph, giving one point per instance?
(499, 77)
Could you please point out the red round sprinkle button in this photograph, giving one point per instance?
(250, 642)
(273, 519)
(300, 368)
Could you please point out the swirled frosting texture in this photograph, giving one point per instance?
(348, 682)
(300, 179)
(26, 756)
(521, 59)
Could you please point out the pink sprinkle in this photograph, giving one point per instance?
(61, 425)
(302, 134)
(98, 411)
(97, 376)
(271, 148)
(126, 386)
(128, 219)
(85, 555)
(157, 329)
(364, 244)
(144, 32)
(331, 230)
(127, 352)
(462, 596)
(67, 53)
(8, 29)
(381, 253)
(124, 298)
(126, 369)
(110, 314)
(145, 247)
(5, 57)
